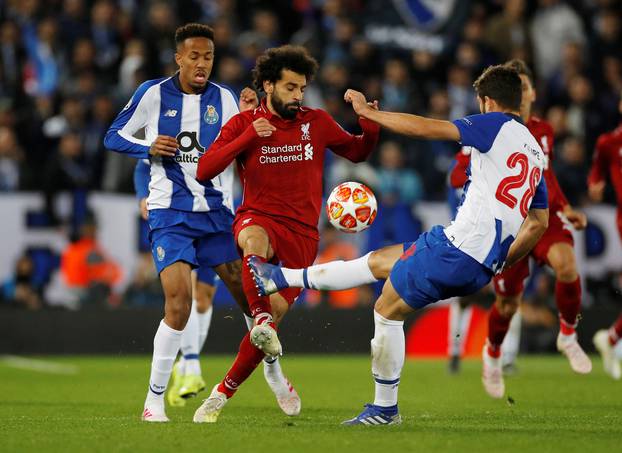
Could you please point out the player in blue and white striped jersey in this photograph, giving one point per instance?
(190, 222)
(187, 380)
(503, 215)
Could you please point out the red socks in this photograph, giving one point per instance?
(568, 300)
(247, 360)
(615, 332)
(257, 304)
(497, 328)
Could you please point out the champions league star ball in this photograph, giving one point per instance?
(351, 207)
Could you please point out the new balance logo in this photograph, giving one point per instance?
(308, 151)
(171, 113)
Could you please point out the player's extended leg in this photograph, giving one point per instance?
(605, 340)
(255, 244)
(334, 275)
(499, 319)
(177, 287)
(511, 344)
(248, 358)
(204, 297)
(191, 341)
(509, 287)
(568, 299)
(459, 318)
(387, 351)
(230, 274)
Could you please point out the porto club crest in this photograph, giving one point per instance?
(211, 115)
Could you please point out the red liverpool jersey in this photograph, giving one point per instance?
(282, 174)
(608, 158)
(543, 133)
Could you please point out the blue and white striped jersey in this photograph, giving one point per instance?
(161, 108)
(505, 181)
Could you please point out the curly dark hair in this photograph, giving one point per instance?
(270, 64)
(193, 30)
(502, 84)
(521, 67)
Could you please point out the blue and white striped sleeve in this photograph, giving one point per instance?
(541, 198)
(480, 131)
(142, 176)
(133, 117)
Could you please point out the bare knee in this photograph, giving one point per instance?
(507, 305)
(279, 307)
(254, 240)
(561, 258)
(177, 310)
(204, 302)
(381, 261)
(566, 271)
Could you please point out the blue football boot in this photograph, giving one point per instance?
(269, 278)
(376, 415)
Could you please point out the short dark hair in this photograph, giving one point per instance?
(521, 67)
(271, 63)
(193, 30)
(502, 84)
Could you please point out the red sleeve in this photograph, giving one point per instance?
(552, 184)
(458, 176)
(600, 162)
(355, 148)
(234, 137)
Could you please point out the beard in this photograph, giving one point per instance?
(286, 111)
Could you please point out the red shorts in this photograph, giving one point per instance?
(511, 282)
(291, 249)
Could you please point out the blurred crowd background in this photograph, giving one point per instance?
(68, 66)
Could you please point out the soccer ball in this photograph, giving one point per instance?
(351, 207)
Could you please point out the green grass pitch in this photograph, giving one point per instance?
(98, 407)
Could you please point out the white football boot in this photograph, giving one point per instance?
(209, 411)
(285, 393)
(610, 361)
(264, 337)
(492, 375)
(154, 413)
(569, 346)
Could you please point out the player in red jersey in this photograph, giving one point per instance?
(279, 149)
(555, 249)
(608, 159)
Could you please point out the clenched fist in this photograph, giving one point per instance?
(164, 146)
(263, 127)
(248, 99)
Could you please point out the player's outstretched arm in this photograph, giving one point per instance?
(403, 123)
(355, 148)
(532, 229)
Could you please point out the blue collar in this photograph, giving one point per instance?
(515, 117)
